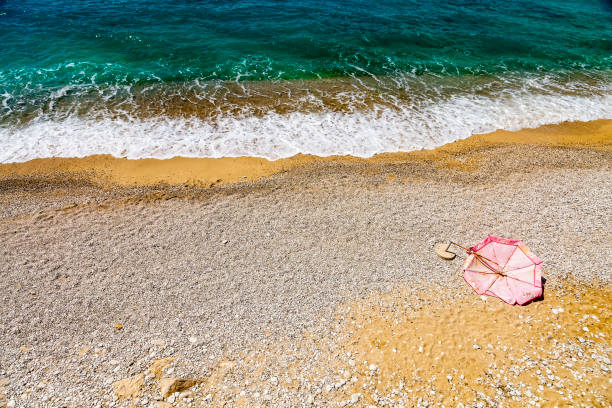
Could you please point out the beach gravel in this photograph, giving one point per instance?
(92, 294)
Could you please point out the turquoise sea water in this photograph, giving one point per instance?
(273, 78)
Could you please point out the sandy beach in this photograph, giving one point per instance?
(307, 281)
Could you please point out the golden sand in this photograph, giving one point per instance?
(438, 348)
(472, 345)
(106, 170)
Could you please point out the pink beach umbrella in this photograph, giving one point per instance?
(503, 268)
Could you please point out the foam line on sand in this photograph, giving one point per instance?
(107, 170)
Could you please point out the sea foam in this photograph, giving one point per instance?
(277, 135)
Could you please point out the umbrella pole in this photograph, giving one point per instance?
(469, 251)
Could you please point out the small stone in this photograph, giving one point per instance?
(172, 398)
(420, 349)
(580, 339)
(586, 329)
(476, 347)
(173, 385)
(225, 241)
(185, 395)
(129, 387)
(273, 380)
(158, 342)
(118, 326)
(373, 367)
(355, 398)
(351, 363)
(196, 341)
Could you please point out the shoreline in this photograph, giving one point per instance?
(107, 171)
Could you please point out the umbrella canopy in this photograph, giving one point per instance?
(504, 268)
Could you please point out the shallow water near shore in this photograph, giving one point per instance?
(141, 79)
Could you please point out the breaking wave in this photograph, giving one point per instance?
(359, 116)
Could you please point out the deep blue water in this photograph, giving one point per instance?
(229, 74)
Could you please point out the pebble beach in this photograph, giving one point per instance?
(309, 282)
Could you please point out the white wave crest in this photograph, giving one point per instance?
(273, 136)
